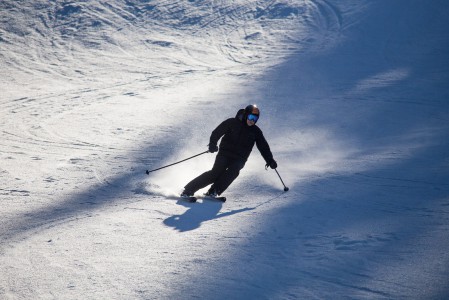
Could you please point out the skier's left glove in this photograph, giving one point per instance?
(213, 148)
(272, 164)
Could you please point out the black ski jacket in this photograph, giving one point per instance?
(239, 139)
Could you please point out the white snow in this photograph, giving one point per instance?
(354, 103)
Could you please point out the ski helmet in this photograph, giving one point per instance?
(251, 110)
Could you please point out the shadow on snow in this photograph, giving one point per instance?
(197, 214)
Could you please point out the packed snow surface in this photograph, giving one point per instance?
(354, 100)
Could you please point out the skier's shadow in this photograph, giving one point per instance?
(197, 214)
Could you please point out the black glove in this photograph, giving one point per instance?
(213, 148)
(272, 164)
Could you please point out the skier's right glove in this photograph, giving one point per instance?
(272, 164)
(213, 148)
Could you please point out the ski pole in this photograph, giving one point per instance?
(285, 188)
(149, 171)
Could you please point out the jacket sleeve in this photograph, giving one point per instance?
(264, 148)
(219, 132)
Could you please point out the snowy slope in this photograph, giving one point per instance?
(354, 105)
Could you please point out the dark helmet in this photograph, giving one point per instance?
(251, 110)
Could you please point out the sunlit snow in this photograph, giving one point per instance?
(354, 104)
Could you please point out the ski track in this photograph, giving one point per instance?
(94, 92)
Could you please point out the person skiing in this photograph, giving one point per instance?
(238, 136)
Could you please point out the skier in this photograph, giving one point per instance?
(238, 135)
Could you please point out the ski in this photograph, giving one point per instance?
(190, 199)
(218, 198)
(193, 199)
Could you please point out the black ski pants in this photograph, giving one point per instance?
(224, 171)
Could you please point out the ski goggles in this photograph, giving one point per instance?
(253, 118)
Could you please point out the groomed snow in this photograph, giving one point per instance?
(354, 103)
